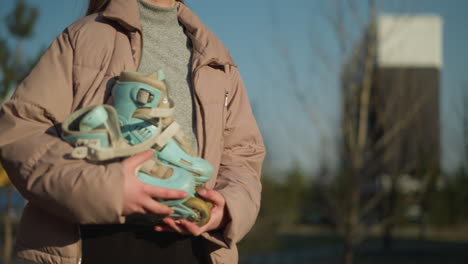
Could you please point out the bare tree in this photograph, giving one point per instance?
(463, 117)
(374, 129)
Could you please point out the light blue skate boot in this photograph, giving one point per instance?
(145, 109)
(96, 135)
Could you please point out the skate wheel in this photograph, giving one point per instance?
(201, 208)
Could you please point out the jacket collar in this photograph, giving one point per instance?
(207, 48)
(125, 12)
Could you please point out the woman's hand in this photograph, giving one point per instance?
(139, 197)
(219, 217)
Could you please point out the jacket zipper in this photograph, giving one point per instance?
(201, 147)
(226, 95)
(81, 245)
(141, 50)
(226, 99)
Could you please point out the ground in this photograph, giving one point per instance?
(319, 246)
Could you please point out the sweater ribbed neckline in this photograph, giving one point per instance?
(157, 15)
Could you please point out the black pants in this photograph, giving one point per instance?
(135, 244)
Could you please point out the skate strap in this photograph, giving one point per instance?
(119, 152)
(167, 134)
(156, 169)
(125, 150)
(184, 143)
(144, 97)
(147, 166)
(92, 150)
(150, 113)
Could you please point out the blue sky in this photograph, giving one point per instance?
(257, 31)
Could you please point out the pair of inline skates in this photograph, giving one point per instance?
(141, 118)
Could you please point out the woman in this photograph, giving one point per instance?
(66, 196)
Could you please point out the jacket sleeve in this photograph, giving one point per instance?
(241, 162)
(36, 158)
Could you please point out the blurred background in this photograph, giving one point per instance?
(363, 105)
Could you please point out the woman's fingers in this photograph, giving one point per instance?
(163, 193)
(154, 207)
(174, 225)
(163, 228)
(139, 196)
(136, 160)
(214, 196)
(192, 228)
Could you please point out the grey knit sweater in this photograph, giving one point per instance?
(165, 46)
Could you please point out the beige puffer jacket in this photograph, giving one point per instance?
(78, 70)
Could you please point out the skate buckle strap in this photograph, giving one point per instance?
(161, 112)
(79, 152)
(144, 97)
(84, 146)
(147, 166)
(110, 153)
(92, 149)
(167, 134)
(156, 112)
